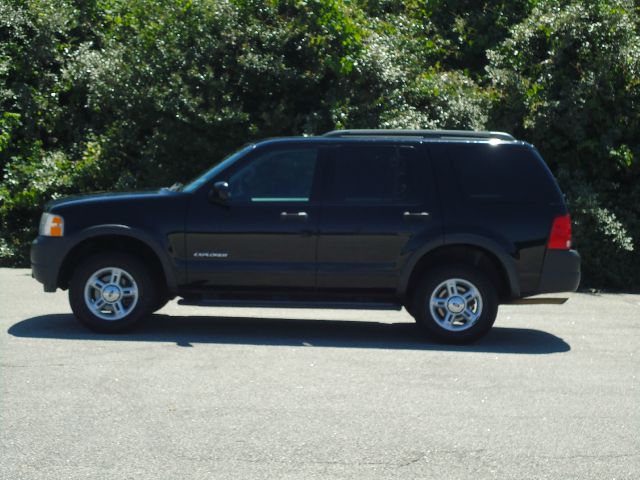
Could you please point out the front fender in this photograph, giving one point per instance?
(161, 251)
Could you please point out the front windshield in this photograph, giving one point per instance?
(212, 172)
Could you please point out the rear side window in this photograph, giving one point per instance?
(503, 172)
(377, 174)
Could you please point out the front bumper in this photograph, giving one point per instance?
(47, 254)
(560, 272)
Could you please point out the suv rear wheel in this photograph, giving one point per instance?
(112, 292)
(455, 304)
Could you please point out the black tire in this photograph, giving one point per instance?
(134, 277)
(409, 307)
(477, 314)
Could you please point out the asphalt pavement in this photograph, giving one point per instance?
(226, 393)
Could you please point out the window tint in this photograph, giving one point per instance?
(502, 172)
(377, 174)
(276, 176)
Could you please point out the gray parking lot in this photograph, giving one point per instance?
(552, 392)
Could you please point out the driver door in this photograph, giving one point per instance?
(265, 235)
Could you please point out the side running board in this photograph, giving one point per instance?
(538, 301)
(205, 302)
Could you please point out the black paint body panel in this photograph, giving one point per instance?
(366, 250)
(514, 229)
(367, 246)
(156, 219)
(560, 272)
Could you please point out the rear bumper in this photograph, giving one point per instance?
(46, 259)
(560, 272)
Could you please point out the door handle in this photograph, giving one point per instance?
(416, 215)
(294, 215)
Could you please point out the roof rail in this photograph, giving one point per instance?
(420, 133)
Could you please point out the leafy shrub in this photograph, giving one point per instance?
(124, 94)
(567, 80)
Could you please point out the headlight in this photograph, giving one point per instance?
(51, 225)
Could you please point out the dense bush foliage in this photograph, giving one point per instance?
(568, 80)
(123, 94)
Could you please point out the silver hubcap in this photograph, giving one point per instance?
(111, 293)
(456, 304)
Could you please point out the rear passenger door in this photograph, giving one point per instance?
(379, 205)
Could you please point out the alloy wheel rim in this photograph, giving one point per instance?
(111, 293)
(456, 304)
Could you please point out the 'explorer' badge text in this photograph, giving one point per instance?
(211, 254)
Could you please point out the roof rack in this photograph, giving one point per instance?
(420, 133)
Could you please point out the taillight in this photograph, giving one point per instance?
(560, 236)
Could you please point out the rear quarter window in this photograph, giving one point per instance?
(502, 172)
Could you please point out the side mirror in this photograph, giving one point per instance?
(220, 193)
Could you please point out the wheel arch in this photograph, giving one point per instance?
(483, 256)
(117, 238)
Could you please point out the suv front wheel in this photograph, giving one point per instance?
(455, 304)
(112, 292)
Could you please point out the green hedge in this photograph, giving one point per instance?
(121, 94)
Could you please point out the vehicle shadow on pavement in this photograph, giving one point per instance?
(186, 331)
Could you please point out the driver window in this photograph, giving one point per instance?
(276, 176)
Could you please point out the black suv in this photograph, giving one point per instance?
(448, 224)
